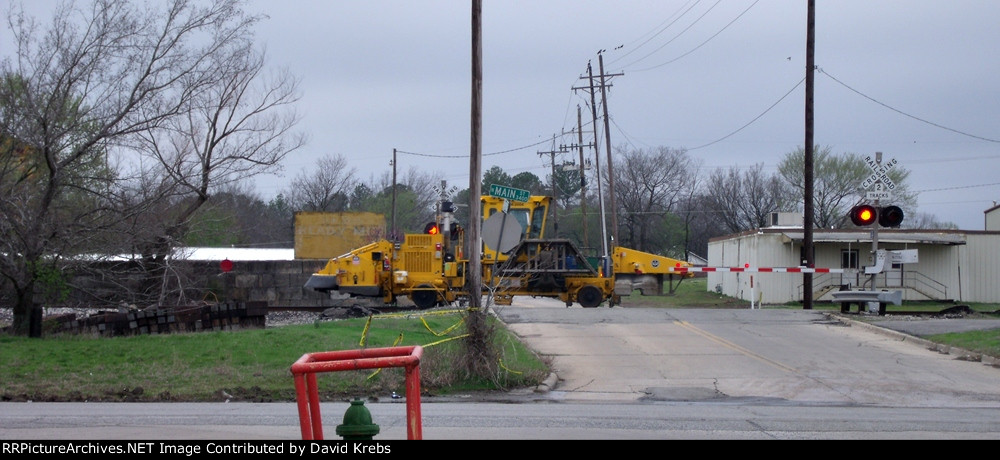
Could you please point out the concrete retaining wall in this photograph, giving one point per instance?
(279, 283)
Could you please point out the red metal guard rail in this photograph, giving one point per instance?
(305, 369)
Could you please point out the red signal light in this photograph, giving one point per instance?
(432, 228)
(863, 215)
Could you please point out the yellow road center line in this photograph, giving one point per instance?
(733, 346)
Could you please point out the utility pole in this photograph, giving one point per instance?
(607, 134)
(474, 272)
(597, 166)
(607, 147)
(583, 174)
(480, 356)
(552, 182)
(807, 221)
(393, 227)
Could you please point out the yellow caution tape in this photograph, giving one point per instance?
(445, 340)
(364, 332)
(439, 334)
(507, 369)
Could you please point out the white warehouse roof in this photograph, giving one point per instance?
(236, 254)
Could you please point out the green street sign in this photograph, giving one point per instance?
(509, 193)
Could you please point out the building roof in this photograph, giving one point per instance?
(904, 236)
(237, 254)
(928, 237)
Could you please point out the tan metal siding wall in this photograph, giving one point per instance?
(773, 288)
(980, 269)
(937, 263)
(992, 220)
(765, 250)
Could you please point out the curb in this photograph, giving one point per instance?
(548, 384)
(958, 353)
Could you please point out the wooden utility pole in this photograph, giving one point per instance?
(607, 136)
(583, 175)
(597, 167)
(475, 269)
(393, 228)
(607, 149)
(552, 183)
(807, 221)
(480, 358)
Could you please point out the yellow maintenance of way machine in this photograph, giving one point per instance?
(517, 260)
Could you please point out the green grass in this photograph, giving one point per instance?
(986, 342)
(250, 365)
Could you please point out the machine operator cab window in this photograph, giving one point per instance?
(530, 215)
(521, 215)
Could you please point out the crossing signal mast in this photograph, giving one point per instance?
(864, 215)
(879, 186)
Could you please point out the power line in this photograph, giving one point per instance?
(664, 28)
(754, 119)
(710, 38)
(657, 32)
(957, 188)
(467, 156)
(904, 113)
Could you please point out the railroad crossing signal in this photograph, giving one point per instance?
(879, 173)
(864, 215)
(879, 187)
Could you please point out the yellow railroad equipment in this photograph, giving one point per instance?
(517, 260)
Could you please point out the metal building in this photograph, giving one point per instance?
(942, 265)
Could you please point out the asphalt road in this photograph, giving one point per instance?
(626, 373)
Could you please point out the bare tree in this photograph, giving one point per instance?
(698, 224)
(173, 81)
(417, 194)
(236, 215)
(743, 200)
(648, 185)
(238, 123)
(927, 221)
(327, 186)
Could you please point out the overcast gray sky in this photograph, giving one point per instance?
(914, 79)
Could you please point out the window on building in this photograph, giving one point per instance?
(849, 258)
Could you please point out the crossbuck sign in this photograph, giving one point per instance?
(878, 183)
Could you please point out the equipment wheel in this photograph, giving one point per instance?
(589, 296)
(424, 298)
